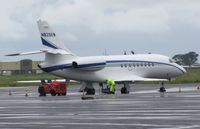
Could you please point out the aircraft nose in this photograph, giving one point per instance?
(182, 69)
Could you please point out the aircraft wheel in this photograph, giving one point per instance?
(162, 89)
(124, 90)
(90, 91)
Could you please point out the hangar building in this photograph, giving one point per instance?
(20, 67)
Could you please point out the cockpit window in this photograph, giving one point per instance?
(171, 60)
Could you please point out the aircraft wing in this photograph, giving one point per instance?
(134, 78)
(38, 81)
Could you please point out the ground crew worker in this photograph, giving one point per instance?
(112, 87)
(108, 83)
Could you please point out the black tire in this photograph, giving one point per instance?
(93, 91)
(63, 94)
(59, 94)
(162, 89)
(53, 93)
(124, 90)
(90, 91)
(112, 92)
(41, 91)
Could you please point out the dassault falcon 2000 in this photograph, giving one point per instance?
(124, 69)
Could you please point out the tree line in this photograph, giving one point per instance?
(189, 58)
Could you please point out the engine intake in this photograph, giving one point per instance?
(90, 64)
(74, 64)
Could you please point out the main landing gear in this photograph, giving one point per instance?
(88, 88)
(162, 88)
(125, 89)
(90, 91)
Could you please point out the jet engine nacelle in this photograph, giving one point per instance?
(90, 64)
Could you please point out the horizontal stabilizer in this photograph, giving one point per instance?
(57, 51)
(25, 53)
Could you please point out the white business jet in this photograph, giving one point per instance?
(123, 69)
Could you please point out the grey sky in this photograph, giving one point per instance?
(88, 27)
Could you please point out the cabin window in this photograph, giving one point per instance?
(121, 65)
(125, 65)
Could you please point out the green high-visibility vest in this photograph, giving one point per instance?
(112, 87)
(107, 81)
(113, 83)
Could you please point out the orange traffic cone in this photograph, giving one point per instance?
(10, 93)
(83, 95)
(26, 93)
(179, 90)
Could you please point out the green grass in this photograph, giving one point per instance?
(192, 76)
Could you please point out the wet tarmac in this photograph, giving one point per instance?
(143, 108)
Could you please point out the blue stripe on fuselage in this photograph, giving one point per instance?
(120, 61)
(57, 67)
(91, 65)
(54, 68)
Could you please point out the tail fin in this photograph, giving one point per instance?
(52, 45)
(49, 39)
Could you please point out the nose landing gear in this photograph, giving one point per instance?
(125, 89)
(162, 88)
